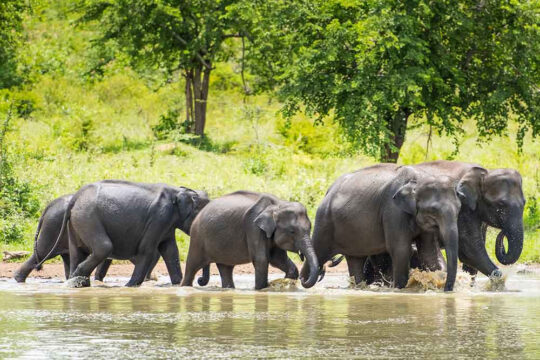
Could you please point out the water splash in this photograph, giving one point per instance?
(496, 283)
(282, 285)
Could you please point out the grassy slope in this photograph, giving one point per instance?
(249, 150)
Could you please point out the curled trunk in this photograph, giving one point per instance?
(514, 234)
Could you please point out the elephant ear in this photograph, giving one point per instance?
(265, 219)
(186, 200)
(469, 187)
(405, 197)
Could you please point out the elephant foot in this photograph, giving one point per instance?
(78, 282)
(19, 278)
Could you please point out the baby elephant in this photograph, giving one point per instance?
(245, 227)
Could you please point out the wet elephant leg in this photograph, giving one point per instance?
(428, 252)
(169, 251)
(65, 259)
(152, 267)
(401, 257)
(356, 267)
(226, 273)
(261, 272)
(102, 269)
(22, 273)
(142, 266)
(472, 247)
(280, 260)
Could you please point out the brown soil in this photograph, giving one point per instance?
(56, 270)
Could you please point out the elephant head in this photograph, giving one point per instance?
(189, 203)
(497, 197)
(434, 204)
(287, 225)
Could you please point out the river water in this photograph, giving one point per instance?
(44, 319)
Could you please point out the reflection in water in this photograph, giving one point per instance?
(171, 322)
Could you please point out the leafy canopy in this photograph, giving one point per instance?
(365, 62)
(11, 12)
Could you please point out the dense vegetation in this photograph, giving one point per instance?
(86, 111)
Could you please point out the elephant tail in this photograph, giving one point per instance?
(62, 229)
(36, 237)
(203, 280)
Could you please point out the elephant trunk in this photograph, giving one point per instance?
(311, 263)
(514, 234)
(449, 235)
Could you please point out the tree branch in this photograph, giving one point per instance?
(184, 42)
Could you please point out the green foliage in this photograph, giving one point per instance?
(531, 218)
(168, 123)
(17, 200)
(11, 14)
(374, 63)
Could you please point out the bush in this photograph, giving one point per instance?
(531, 218)
(17, 199)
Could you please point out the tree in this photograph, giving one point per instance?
(172, 34)
(373, 64)
(10, 32)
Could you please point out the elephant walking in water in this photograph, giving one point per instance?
(129, 221)
(245, 227)
(384, 208)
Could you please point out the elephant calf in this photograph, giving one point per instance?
(129, 221)
(245, 227)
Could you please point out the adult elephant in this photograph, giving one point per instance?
(384, 208)
(491, 197)
(49, 225)
(245, 227)
(129, 221)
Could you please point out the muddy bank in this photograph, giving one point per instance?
(56, 270)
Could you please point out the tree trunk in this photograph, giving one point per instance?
(201, 82)
(189, 99)
(398, 127)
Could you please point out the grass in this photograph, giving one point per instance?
(81, 130)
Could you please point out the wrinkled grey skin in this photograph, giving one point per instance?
(245, 227)
(490, 197)
(49, 226)
(129, 221)
(384, 208)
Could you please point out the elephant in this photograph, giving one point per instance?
(129, 221)
(385, 208)
(495, 198)
(49, 225)
(244, 227)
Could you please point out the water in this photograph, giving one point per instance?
(44, 319)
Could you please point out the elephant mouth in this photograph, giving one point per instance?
(302, 257)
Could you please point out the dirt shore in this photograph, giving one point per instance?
(56, 270)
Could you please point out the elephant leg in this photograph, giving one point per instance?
(261, 272)
(193, 264)
(102, 248)
(142, 266)
(280, 260)
(472, 246)
(152, 267)
(401, 256)
(169, 251)
(22, 273)
(356, 267)
(65, 259)
(102, 269)
(226, 273)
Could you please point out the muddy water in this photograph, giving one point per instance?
(46, 320)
